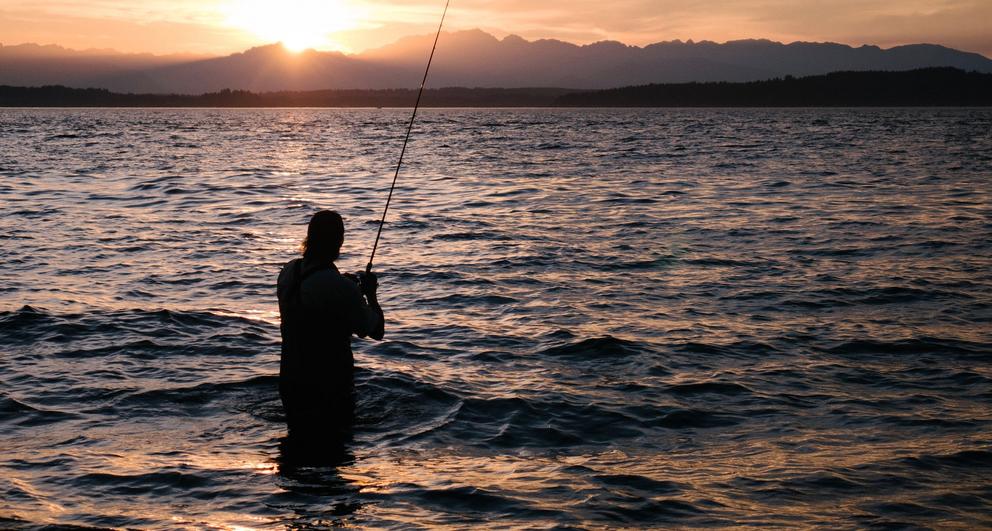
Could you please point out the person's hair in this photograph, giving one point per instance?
(325, 234)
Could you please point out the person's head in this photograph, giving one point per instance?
(325, 234)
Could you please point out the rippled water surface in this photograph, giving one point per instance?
(595, 318)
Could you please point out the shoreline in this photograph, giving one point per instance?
(929, 87)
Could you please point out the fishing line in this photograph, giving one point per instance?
(409, 129)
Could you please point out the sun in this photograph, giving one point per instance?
(297, 24)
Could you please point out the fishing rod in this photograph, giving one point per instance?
(409, 129)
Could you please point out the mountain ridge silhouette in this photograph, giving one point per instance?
(472, 58)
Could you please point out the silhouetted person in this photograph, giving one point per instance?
(320, 310)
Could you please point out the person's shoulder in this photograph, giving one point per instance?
(328, 275)
(288, 270)
(332, 279)
(290, 265)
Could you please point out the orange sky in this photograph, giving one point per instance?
(225, 26)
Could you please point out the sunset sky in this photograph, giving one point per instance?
(225, 26)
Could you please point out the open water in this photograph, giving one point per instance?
(596, 318)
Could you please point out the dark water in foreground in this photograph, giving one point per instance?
(596, 318)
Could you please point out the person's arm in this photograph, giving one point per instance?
(363, 312)
(370, 285)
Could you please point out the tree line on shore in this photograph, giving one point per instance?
(922, 87)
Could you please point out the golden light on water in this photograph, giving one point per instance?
(297, 24)
(563, 347)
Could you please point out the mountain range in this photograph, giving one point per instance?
(470, 58)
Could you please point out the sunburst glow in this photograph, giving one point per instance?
(298, 24)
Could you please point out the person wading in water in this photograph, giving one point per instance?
(320, 309)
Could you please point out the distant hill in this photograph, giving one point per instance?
(475, 58)
(35, 65)
(465, 58)
(914, 88)
(924, 87)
